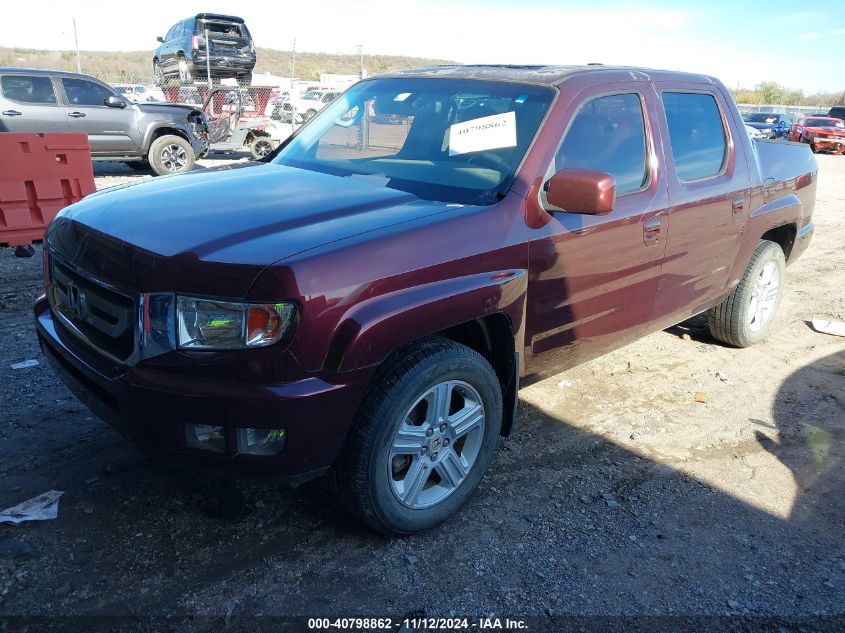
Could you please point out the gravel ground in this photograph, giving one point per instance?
(621, 503)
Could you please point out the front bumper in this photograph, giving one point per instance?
(835, 145)
(200, 145)
(151, 403)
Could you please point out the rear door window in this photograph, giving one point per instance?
(26, 89)
(696, 133)
(85, 93)
(608, 134)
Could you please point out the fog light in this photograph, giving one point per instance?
(261, 441)
(205, 437)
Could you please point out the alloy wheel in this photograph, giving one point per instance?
(436, 445)
(763, 297)
(174, 158)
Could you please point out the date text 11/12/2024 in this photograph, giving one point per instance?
(417, 624)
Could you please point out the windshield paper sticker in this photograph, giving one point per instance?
(478, 135)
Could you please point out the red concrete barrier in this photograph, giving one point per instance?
(40, 174)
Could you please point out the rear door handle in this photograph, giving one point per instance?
(76, 115)
(651, 231)
(12, 113)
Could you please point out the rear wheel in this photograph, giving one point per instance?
(171, 154)
(158, 74)
(422, 438)
(185, 75)
(745, 316)
(260, 147)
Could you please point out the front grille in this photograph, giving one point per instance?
(102, 315)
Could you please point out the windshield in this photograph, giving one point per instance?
(761, 117)
(823, 123)
(451, 140)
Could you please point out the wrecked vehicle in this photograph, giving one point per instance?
(367, 300)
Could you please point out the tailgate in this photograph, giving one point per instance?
(225, 37)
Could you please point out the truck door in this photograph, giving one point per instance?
(111, 131)
(28, 103)
(709, 198)
(593, 279)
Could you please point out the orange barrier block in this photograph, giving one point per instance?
(40, 174)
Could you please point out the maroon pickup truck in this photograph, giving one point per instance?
(368, 299)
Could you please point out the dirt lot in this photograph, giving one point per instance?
(620, 497)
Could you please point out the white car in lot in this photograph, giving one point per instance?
(309, 104)
(753, 132)
(139, 93)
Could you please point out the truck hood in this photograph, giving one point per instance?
(176, 233)
(761, 126)
(830, 130)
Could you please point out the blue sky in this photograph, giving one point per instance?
(801, 45)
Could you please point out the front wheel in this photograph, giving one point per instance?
(422, 438)
(745, 316)
(171, 154)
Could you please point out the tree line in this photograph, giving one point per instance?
(136, 67)
(771, 92)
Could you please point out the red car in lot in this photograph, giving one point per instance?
(824, 134)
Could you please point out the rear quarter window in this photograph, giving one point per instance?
(696, 134)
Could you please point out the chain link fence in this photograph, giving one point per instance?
(794, 112)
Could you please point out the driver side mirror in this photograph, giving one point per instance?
(585, 191)
(160, 39)
(115, 102)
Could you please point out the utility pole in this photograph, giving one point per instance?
(76, 43)
(292, 65)
(361, 53)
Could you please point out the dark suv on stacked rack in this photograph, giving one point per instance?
(184, 54)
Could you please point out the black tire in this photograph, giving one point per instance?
(729, 321)
(361, 477)
(185, 75)
(260, 147)
(138, 165)
(158, 74)
(164, 165)
(245, 80)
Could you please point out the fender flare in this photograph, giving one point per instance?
(372, 329)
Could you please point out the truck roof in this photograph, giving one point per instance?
(548, 75)
(20, 70)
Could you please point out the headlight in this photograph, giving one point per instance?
(212, 324)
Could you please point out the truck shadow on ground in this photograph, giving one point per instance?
(566, 522)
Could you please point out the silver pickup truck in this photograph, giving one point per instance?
(164, 137)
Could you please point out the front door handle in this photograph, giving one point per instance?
(12, 113)
(651, 231)
(77, 115)
(738, 205)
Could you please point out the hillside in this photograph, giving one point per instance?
(136, 66)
